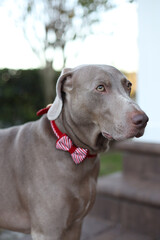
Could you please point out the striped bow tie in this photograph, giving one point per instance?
(65, 143)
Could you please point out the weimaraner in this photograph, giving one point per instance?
(44, 190)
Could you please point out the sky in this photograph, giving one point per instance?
(114, 42)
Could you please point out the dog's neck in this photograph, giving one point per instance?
(85, 136)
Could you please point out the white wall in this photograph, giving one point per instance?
(149, 66)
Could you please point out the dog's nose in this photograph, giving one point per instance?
(140, 119)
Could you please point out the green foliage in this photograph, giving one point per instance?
(21, 95)
(110, 162)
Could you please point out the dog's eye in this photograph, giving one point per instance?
(100, 88)
(129, 85)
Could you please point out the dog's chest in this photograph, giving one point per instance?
(87, 195)
(82, 200)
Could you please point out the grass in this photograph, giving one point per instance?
(110, 163)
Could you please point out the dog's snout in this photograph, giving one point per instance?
(140, 119)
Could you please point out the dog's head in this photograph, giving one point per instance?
(99, 94)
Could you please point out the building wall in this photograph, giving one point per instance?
(149, 66)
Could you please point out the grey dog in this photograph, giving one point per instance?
(42, 190)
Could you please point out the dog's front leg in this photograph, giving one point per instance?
(48, 225)
(73, 233)
(54, 222)
(42, 236)
(47, 231)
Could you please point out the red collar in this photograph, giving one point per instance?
(65, 143)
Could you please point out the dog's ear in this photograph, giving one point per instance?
(57, 105)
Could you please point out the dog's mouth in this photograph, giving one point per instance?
(107, 135)
(140, 133)
(134, 133)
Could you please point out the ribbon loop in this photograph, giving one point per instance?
(65, 143)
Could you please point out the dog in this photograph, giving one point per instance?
(49, 167)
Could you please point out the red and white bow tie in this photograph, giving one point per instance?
(65, 143)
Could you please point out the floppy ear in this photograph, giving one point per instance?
(57, 105)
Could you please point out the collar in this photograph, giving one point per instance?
(65, 143)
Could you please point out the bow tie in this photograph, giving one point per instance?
(65, 143)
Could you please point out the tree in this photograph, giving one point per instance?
(55, 22)
(50, 24)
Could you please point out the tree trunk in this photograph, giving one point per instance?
(49, 83)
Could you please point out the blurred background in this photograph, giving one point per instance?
(40, 37)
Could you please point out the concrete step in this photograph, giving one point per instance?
(99, 229)
(130, 188)
(135, 204)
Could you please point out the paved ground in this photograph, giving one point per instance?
(93, 229)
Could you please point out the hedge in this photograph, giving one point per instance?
(21, 95)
